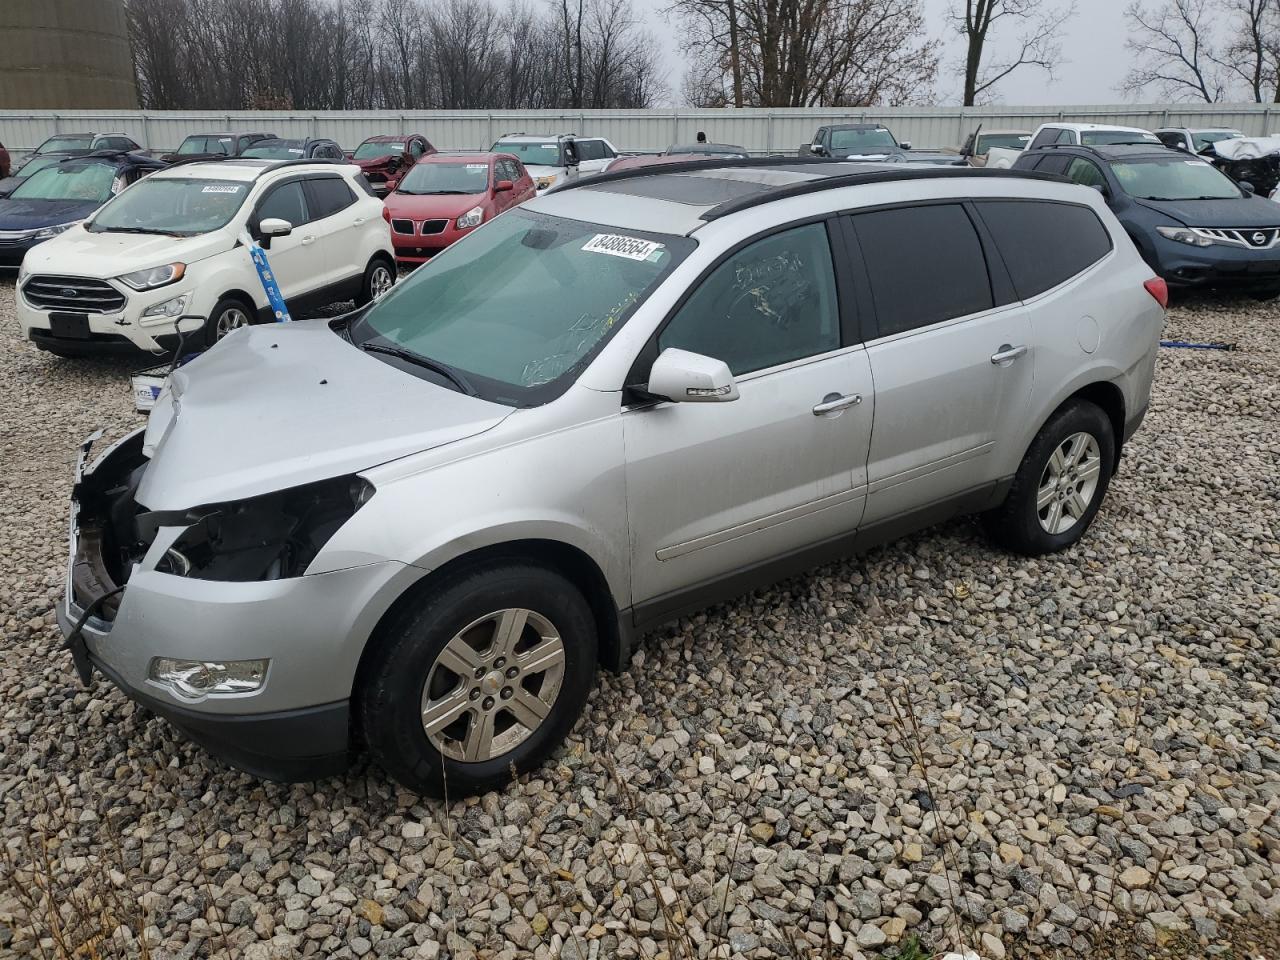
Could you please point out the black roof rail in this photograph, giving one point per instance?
(802, 187)
(201, 158)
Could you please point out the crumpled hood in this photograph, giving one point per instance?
(538, 170)
(33, 214)
(1251, 212)
(105, 255)
(377, 163)
(428, 207)
(279, 405)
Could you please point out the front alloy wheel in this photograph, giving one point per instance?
(380, 281)
(493, 685)
(233, 318)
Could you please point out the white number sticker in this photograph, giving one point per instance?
(616, 245)
(221, 188)
(477, 166)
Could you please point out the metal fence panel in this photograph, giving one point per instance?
(760, 130)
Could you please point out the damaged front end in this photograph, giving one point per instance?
(273, 536)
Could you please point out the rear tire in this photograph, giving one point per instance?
(1060, 484)
(229, 313)
(379, 277)
(484, 675)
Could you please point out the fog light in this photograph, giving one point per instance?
(167, 310)
(194, 679)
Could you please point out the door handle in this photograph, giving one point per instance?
(833, 402)
(308, 240)
(1007, 353)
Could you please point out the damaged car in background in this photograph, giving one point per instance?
(417, 528)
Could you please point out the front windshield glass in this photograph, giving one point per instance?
(1206, 137)
(275, 150)
(535, 153)
(371, 151)
(1099, 138)
(1007, 141)
(446, 178)
(518, 307)
(172, 205)
(197, 145)
(78, 181)
(862, 141)
(1173, 179)
(65, 143)
(38, 163)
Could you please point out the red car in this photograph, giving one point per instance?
(384, 160)
(4, 162)
(446, 196)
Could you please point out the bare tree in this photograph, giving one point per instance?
(1037, 25)
(797, 53)
(1252, 52)
(1174, 50)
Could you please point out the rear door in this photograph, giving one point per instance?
(328, 200)
(715, 488)
(950, 353)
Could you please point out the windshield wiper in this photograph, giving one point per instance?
(446, 371)
(440, 192)
(147, 230)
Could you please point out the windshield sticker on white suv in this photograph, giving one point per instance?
(222, 188)
(616, 245)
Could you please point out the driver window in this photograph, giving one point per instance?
(1085, 172)
(770, 303)
(286, 203)
(415, 149)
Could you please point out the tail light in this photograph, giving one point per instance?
(386, 215)
(1159, 290)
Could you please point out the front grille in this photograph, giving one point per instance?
(13, 239)
(402, 226)
(77, 294)
(433, 226)
(1257, 239)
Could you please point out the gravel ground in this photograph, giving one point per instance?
(1099, 729)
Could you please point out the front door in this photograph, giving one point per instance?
(296, 260)
(714, 488)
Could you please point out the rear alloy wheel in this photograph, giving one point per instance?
(379, 277)
(483, 675)
(1060, 484)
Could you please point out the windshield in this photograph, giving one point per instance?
(38, 163)
(1173, 179)
(275, 150)
(545, 153)
(371, 151)
(65, 143)
(518, 307)
(446, 178)
(194, 145)
(172, 205)
(1205, 137)
(1097, 138)
(79, 181)
(862, 141)
(1008, 141)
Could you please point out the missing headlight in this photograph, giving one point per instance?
(271, 537)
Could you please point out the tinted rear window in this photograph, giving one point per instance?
(1044, 243)
(328, 195)
(926, 265)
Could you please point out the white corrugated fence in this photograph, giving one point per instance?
(760, 130)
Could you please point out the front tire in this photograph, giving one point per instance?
(228, 314)
(1060, 484)
(486, 675)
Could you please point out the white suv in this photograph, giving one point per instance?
(173, 249)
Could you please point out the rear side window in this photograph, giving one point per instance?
(327, 195)
(1044, 244)
(925, 264)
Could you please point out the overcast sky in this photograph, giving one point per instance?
(1092, 44)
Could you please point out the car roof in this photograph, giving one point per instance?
(245, 169)
(1197, 130)
(1005, 133)
(680, 197)
(705, 148)
(478, 156)
(856, 126)
(535, 137)
(1089, 127)
(391, 137)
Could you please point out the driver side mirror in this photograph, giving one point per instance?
(502, 186)
(1248, 188)
(905, 144)
(817, 149)
(684, 377)
(272, 227)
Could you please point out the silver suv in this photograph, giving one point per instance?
(419, 528)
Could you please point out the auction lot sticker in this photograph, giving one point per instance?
(616, 245)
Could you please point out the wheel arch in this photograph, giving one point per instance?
(571, 562)
(1104, 394)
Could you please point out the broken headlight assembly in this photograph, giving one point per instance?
(271, 537)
